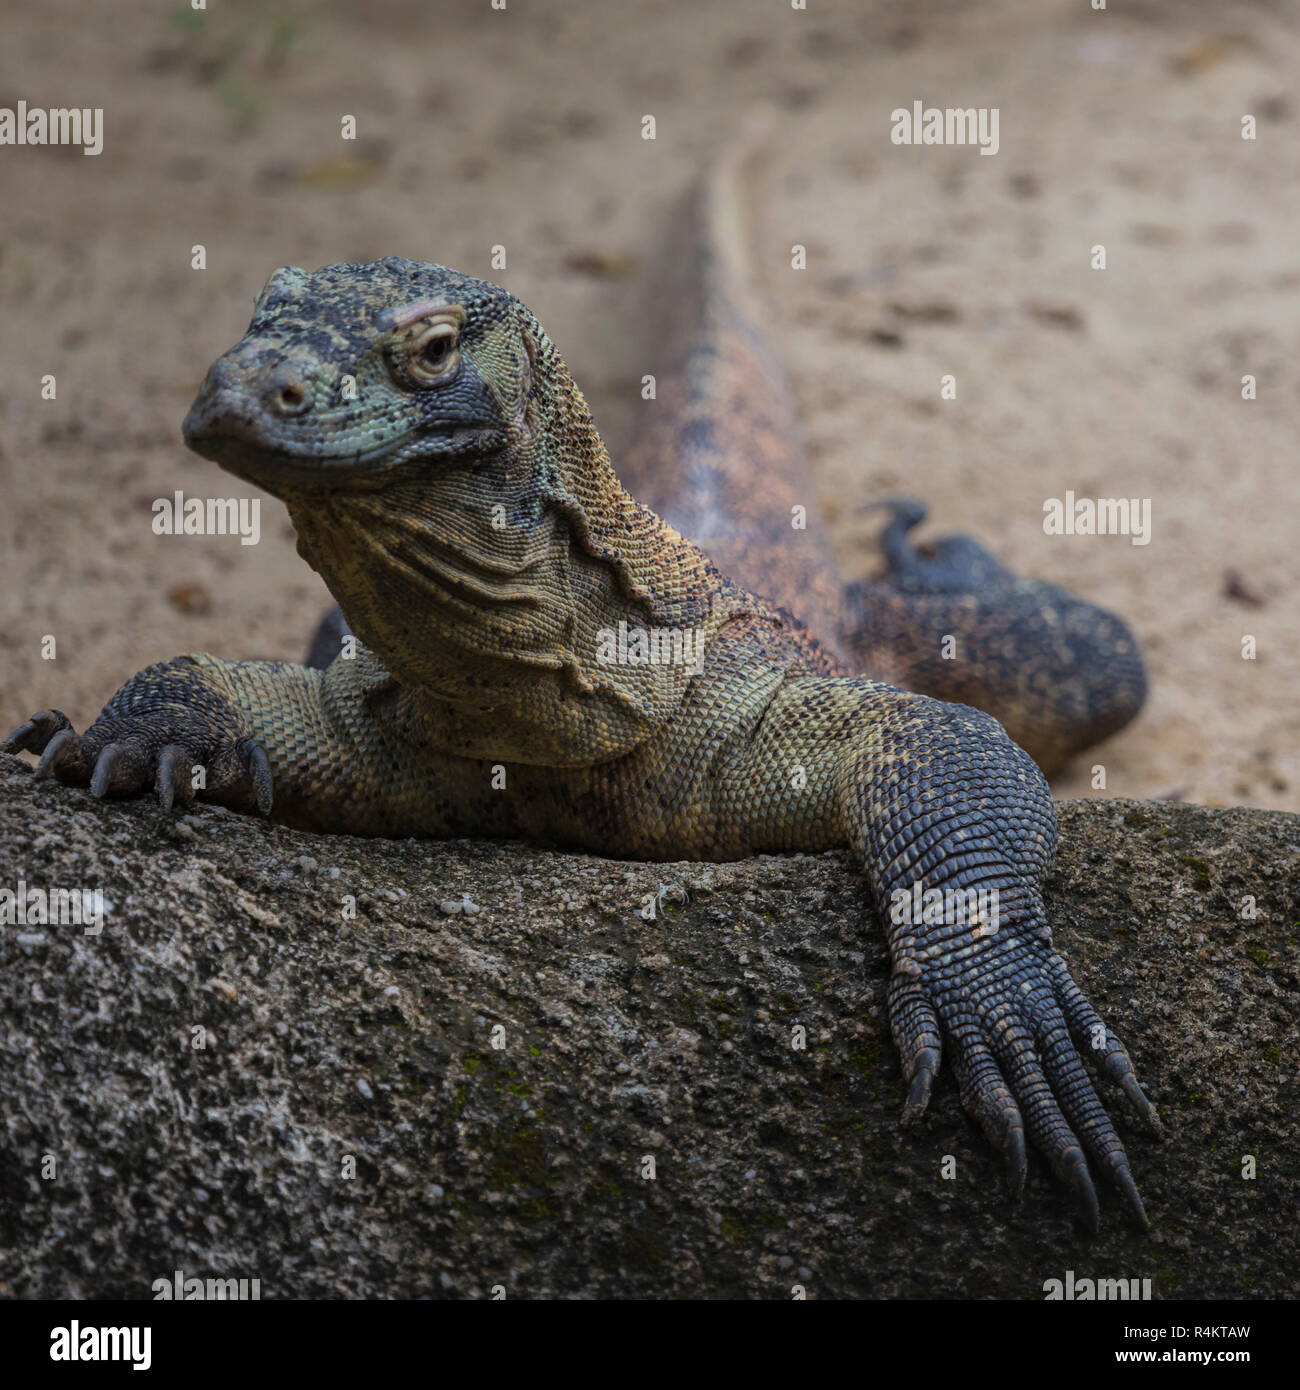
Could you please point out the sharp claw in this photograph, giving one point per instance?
(54, 750)
(1017, 1161)
(18, 740)
(33, 735)
(1124, 1181)
(1129, 1084)
(260, 767)
(926, 1061)
(1081, 1181)
(102, 777)
(169, 760)
(1120, 1070)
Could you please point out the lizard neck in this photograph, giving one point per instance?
(528, 606)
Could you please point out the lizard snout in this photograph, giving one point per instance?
(238, 401)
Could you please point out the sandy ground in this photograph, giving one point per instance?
(522, 128)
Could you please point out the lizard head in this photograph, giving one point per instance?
(353, 375)
(446, 478)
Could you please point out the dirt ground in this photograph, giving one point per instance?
(522, 128)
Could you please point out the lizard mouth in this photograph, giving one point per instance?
(290, 468)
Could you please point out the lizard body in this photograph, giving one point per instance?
(445, 476)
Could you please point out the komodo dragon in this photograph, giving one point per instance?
(446, 478)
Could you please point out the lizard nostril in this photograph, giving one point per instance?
(286, 390)
(290, 398)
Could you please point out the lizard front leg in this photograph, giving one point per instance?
(932, 796)
(269, 736)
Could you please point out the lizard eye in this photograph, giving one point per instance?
(434, 354)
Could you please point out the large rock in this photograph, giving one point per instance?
(333, 1042)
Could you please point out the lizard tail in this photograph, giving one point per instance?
(717, 452)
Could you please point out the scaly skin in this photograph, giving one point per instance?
(463, 511)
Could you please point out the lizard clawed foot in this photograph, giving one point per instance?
(125, 753)
(1016, 1033)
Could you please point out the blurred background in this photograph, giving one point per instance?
(522, 128)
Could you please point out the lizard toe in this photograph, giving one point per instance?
(915, 1027)
(989, 1101)
(1074, 1167)
(259, 770)
(101, 779)
(240, 774)
(125, 763)
(1120, 1069)
(170, 779)
(63, 756)
(1122, 1177)
(33, 735)
(1094, 1039)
